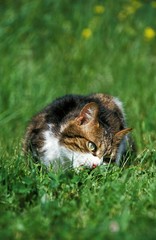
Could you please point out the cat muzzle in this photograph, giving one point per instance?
(94, 166)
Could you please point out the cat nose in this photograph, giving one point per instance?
(94, 166)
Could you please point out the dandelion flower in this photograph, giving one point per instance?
(129, 9)
(153, 4)
(149, 33)
(136, 4)
(86, 33)
(99, 9)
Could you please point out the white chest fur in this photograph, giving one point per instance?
(52, 151)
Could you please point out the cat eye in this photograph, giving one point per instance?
(91, 146)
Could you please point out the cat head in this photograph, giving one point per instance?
(89, 140)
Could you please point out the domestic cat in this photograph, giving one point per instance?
(79, 130)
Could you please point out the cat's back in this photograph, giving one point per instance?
(69, 106)
(66, 108)
(53, 114)
(61, 107)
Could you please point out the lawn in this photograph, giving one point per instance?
(51, 48)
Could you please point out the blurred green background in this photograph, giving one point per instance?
(50, 48)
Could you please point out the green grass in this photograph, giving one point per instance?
(44, 55)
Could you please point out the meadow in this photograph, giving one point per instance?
(51, 48)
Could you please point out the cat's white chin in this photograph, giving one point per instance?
(86, 160)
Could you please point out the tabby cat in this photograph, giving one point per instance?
(79, 130)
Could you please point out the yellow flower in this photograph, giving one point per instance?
(136, 4)
(153, 4)
(129, 9)
(149, 33)
(99, 9)
(86, 33)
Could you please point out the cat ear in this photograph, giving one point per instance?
(119, 135)
(88, 113)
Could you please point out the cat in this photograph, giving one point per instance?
(83, 131)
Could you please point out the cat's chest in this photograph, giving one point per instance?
(52, 150)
